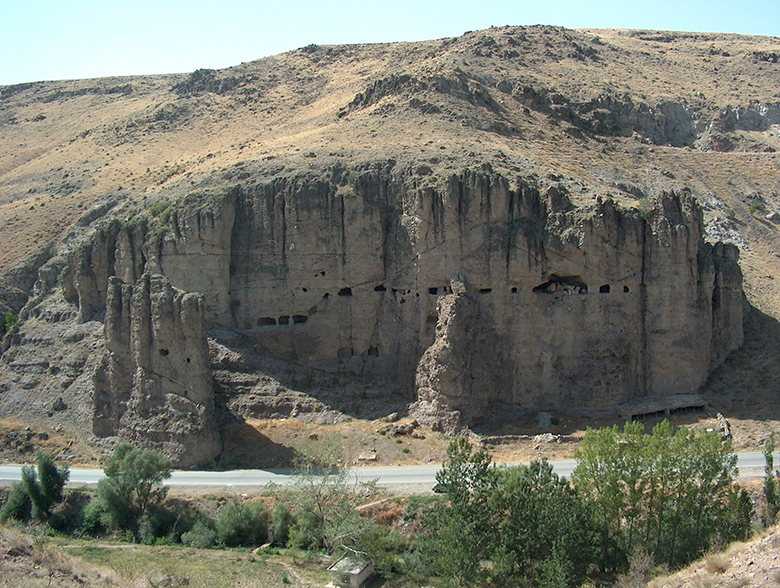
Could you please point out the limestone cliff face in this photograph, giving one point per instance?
(154, 386)
(462, 294)
(617, 308)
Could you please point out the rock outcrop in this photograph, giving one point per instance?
(462, 297)
(154, 387)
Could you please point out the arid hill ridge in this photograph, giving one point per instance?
(463, 178)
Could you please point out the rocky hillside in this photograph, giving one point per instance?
(512, 220)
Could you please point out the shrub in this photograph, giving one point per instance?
(385, 548)
(158, 208)
(95, 519)
(281, 521)
(38, 491)
(133, 484)
(156, 523)
(201, 535)
(242, 524)
(9, 320)
(717, 563)
(18, 506)
(306, 532)
(45, 489)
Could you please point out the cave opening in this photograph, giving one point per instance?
(565, 284)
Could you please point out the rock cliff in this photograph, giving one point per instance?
(466, 228)
(460, 296)
(154, 385)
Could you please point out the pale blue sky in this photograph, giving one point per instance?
(65, 39)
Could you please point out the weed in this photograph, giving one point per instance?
(717, 563)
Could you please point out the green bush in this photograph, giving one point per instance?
(158, 208)
(45, 487)
(201, 535)
(95, 519)
(281, 521)
(771, 489)
(242, 524)
(156, 523)
(385, 547)
(9, 320)
(306, 532)
(18, 506)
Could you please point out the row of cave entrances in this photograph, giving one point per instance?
(565, 284)
(569, 285)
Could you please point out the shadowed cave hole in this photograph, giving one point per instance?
(380, 288)
(345, 292)
(164, 352)
(567, 284)
(485, 290)
(299, 318)
(433, 291)
(284, 320)
(266, 321)
(373, 352)
(604, 289)
(625, 290)
(514, 290)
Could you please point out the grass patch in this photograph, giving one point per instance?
(196, 568)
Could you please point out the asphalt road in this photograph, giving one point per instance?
(751, 465)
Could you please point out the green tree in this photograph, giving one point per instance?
(38, 492)
(326, 499)
(133, 483)
(460, 533)
(671, 492)
(44, 487)
(545, 530)
(771, 490)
